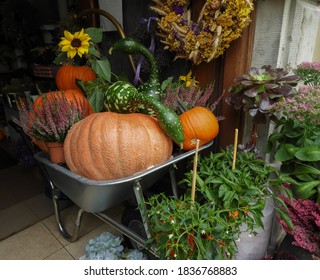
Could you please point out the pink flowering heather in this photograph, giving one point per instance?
(305, 215)
(303, 107)
(309, 72)
(52, 121)
(190, 97)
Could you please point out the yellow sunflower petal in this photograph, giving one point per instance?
(68, 35)
(65, 48)
(80, 34)
(85, 36)
(64, 43)
(83, 50)
(71, 53)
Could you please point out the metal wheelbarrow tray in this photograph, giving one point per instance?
(97, 196)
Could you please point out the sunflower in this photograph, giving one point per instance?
(75, 44)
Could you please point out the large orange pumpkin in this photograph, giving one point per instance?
(73, 95)
(198, 123)
(68, 74)
(107, 145)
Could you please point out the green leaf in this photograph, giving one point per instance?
(302, 168)
(305, 177)
(61, 57)
(222, 190)
(199, 181)
(285, 217)
(166, 83)
(305, 190)
(286, 152)
(228, 198)
(275, 137)
(96, 98)
(102, 68)
(95, 34)
(311, 153)
(93, 51)
(281, 202)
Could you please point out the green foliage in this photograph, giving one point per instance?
(225, 200)
(297, 148)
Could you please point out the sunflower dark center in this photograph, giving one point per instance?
(76, 43)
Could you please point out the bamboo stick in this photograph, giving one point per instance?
(235, 146)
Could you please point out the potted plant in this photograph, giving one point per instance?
(296, 146)
(49, 119)
(227, 203)
(296, 140)
(256, 92)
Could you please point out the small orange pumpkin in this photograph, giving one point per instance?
(73, 95)
(68, 74)
(198, 123)
(108, 146)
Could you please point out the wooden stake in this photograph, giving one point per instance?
(235, 146)
(194, 174)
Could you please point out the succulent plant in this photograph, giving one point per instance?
(256, 91)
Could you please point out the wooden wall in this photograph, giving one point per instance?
(223, 70)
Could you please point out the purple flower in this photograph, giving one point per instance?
(305, 215)
(178, 9)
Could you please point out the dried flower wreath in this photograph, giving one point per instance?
(219, 23)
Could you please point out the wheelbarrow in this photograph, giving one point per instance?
(95, 197)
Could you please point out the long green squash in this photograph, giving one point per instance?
(123, 97)
(128, 45)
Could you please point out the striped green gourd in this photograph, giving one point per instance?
(128, 45)
(122, 97)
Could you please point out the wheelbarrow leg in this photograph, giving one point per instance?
(63, 231)
(173, 180)
(140, 200)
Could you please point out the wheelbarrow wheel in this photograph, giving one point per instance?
(132, 219)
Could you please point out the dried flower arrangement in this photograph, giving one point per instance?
(51, 121)
(219, 23)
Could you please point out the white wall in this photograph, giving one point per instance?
(287, 32)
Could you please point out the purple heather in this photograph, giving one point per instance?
(305, 215)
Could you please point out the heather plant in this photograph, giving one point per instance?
(305, 216)
(186, 94)
(309, 73)
(51, 121)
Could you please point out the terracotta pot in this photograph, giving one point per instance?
(56, 152)
(42, 145)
